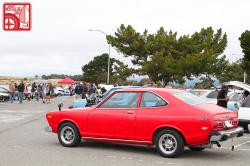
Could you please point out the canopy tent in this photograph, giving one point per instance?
(66, 80)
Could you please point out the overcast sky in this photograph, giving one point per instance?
(60, 42)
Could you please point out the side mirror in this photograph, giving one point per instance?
(60, 106)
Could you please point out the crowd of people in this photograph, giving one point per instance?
(30, 91)
(82, 90)
(36, 91)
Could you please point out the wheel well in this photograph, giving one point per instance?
(163, 128)
(66, 121)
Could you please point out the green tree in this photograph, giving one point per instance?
(96, 70)
(233, 72)
(165, 56)
(207, 82)
(245, 45)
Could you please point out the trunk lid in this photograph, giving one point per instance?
(223, 118)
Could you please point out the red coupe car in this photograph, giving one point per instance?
(168, 119)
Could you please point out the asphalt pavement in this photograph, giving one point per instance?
(23, 142)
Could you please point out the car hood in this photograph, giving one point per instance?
(4, 94)
(78, 109)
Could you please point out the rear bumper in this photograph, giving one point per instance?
(219, 136)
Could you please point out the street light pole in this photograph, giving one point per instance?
(108, 54)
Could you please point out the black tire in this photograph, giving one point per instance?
(196, 148)
(71, 128)
(177, 141)
(2, 98)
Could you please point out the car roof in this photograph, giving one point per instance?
(168, 90)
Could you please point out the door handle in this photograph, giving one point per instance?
(130, 112)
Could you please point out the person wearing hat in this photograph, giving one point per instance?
(12, 90)
(222, 98)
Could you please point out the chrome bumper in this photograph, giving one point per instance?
(48, 129)
(226, 134)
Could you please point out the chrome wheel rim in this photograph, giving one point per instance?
(167, 143)
(67, 135)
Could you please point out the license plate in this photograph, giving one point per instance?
(228, 123)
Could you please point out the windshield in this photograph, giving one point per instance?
(189, 98)
(3, 90)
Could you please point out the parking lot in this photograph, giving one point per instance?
(23, 141)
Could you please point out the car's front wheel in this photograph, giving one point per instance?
(169, 143)
(2, 98)
(68, 135)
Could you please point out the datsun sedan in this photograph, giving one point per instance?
(167, 119)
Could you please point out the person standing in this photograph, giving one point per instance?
(12, 91)
(78, 91)
(20, 89)
(33, 89)
(28, 92)
(37, 92)
(222, 98)
(84, 90)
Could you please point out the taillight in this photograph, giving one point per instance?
(218, 125)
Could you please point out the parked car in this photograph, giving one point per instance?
(170, 119)
(244, 114)
(58, 91)
(4, 94)
(211, 97)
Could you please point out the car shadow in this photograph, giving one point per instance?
(119, 147)
(207, 154)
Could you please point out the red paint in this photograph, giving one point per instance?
(138, 125)
(17, 16)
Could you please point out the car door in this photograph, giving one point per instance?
(149, 115)
(115, 117)
(244, 111)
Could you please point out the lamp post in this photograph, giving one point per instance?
(108, 54)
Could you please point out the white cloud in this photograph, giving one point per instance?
(60, 42)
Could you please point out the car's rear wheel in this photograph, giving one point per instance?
(169, 143)
(69, 135)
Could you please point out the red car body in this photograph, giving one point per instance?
(198, 124)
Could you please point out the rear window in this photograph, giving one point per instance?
(189, 98)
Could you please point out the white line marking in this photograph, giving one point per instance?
(12, 118)
(21, 111)
(236, 146)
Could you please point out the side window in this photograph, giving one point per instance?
(246, 102)
(122, 100)
(151, 100)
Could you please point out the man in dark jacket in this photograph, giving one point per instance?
(222, 98)
(78, 90)
(20, 89)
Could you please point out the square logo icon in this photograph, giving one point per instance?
(17, 16)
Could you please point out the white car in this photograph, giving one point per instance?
(244, 114)
(4, 94)
(59, 91)
(233, 95)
